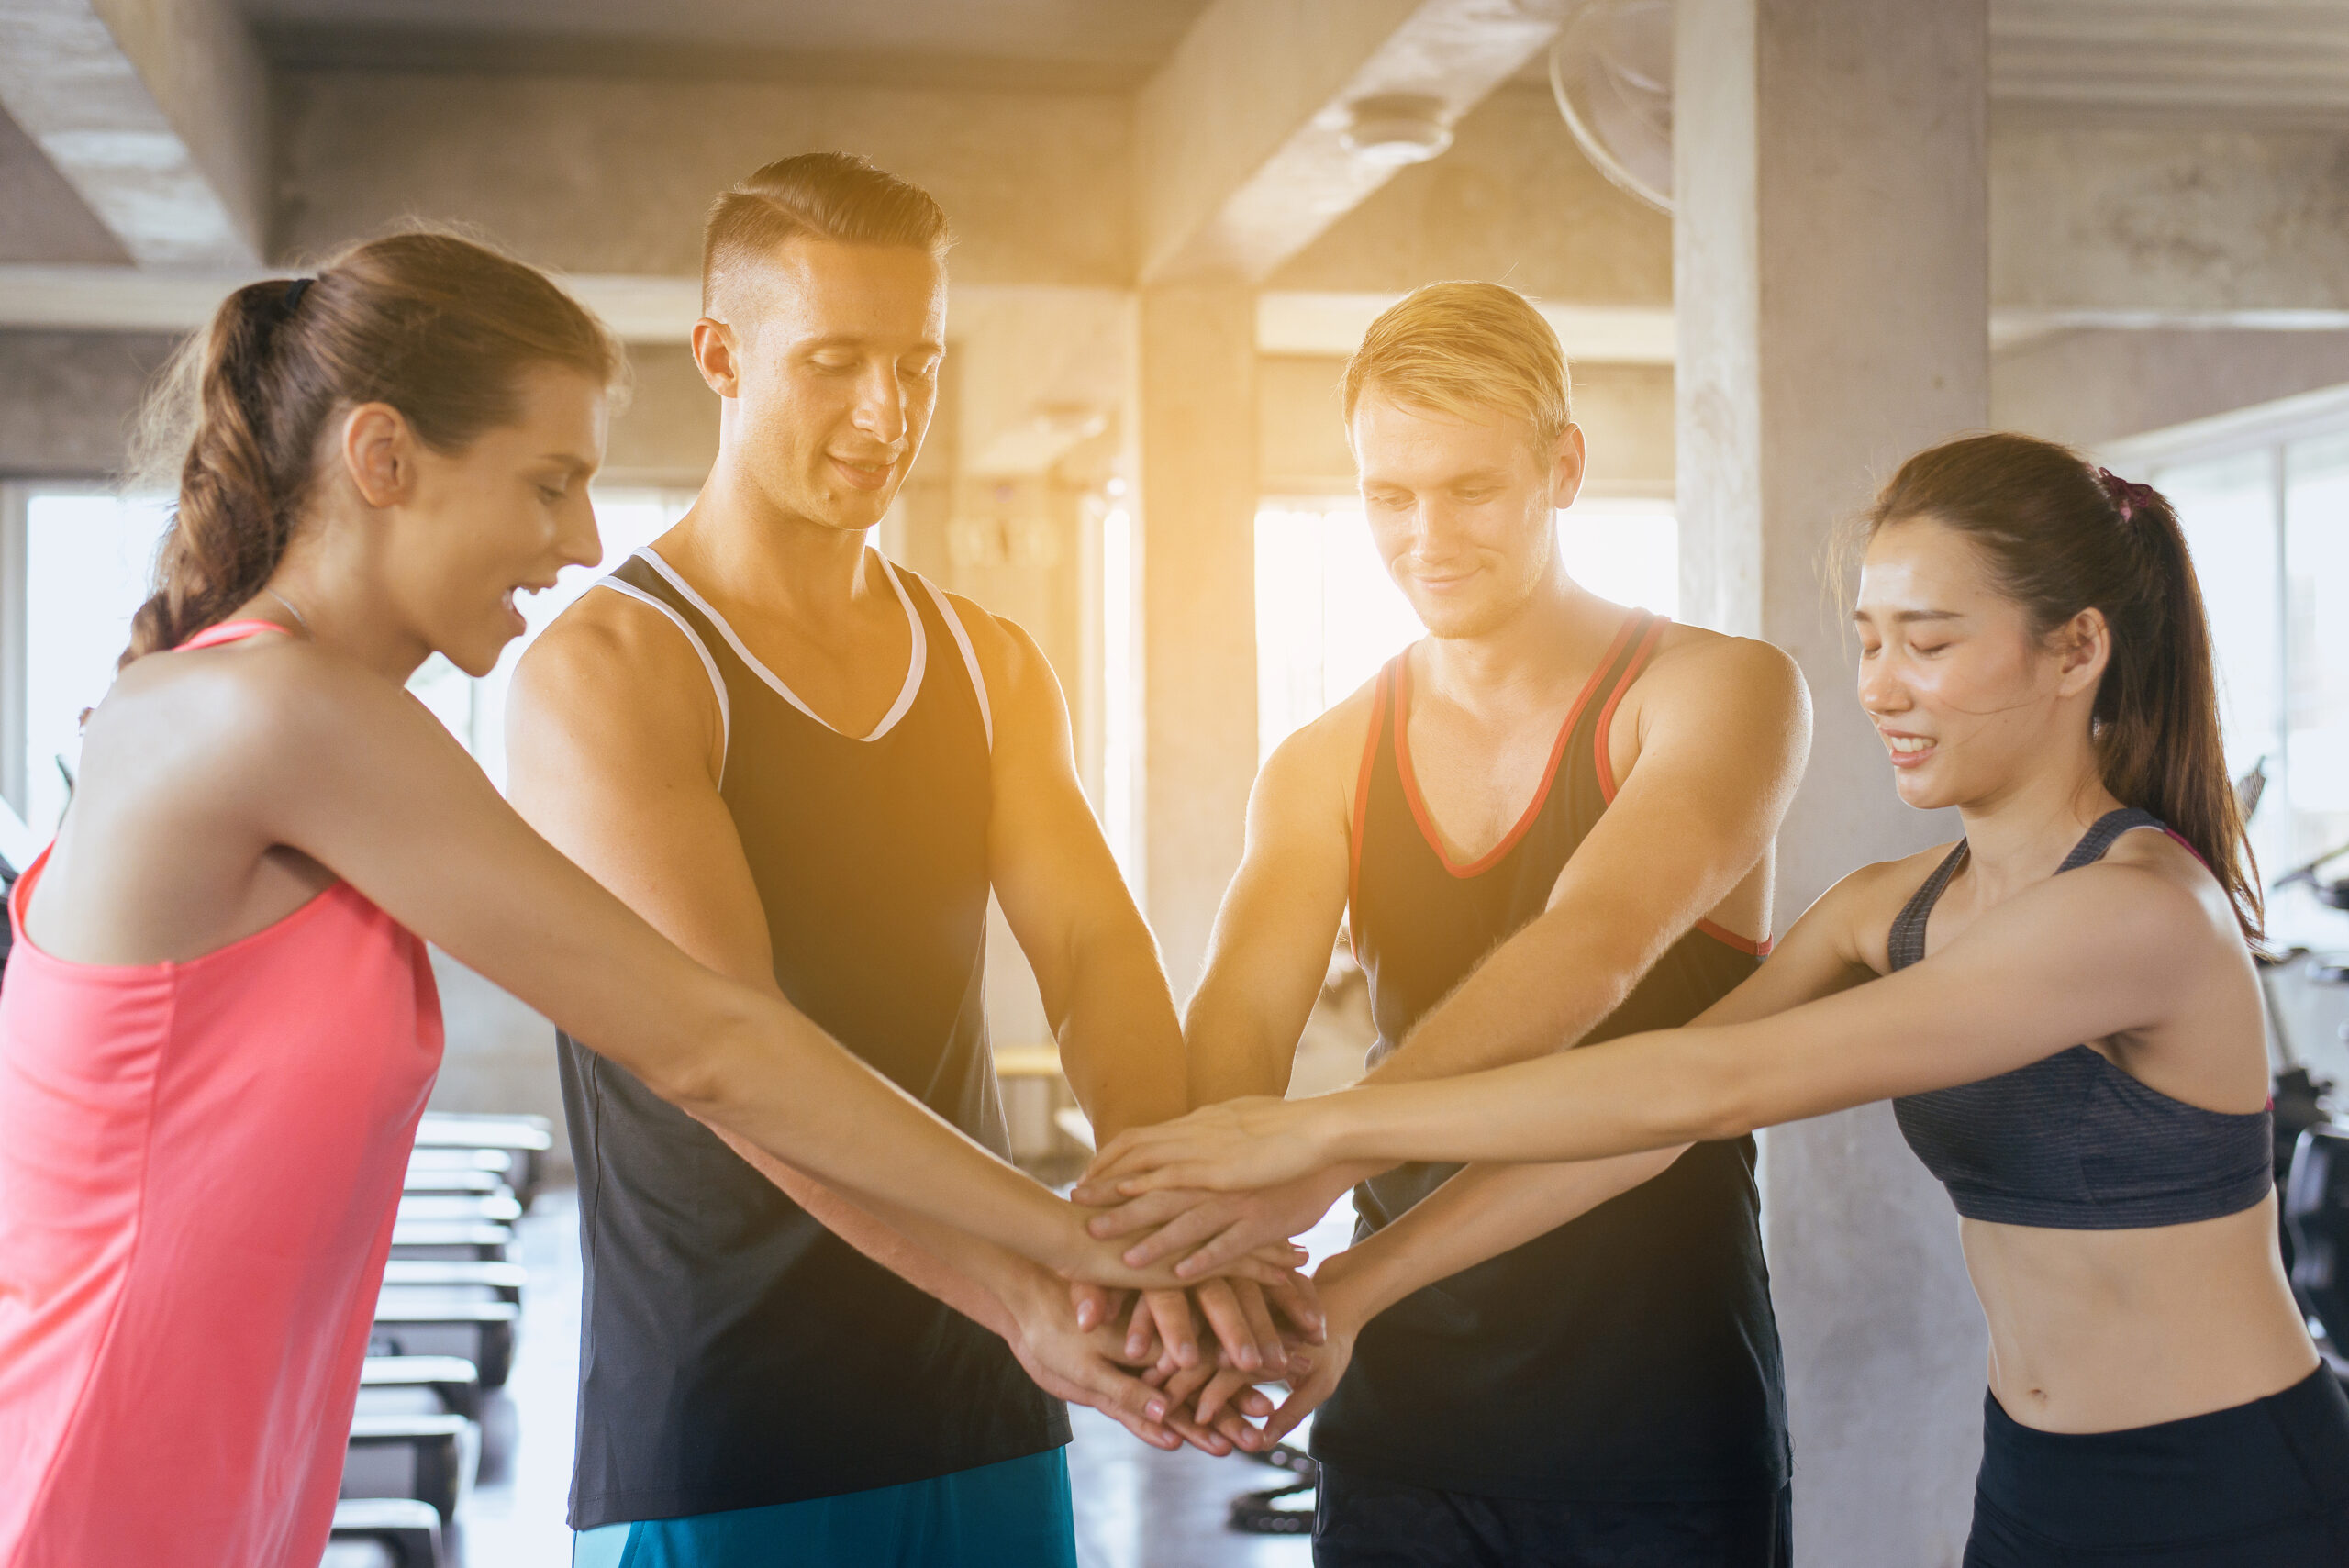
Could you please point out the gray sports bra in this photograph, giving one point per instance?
(2072, 1142)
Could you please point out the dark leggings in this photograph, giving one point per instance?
(2260, 1486)
(1362, 1522)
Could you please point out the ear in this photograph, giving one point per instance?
(2083, 647)
(1567, 468)
(716, 355)
(379, 453)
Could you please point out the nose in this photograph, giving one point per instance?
(881, 407)
(1882, 691)
(578, 541)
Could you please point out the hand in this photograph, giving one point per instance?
(1080, 1364)
(1241, 1314)
(1257, 1141)
(1081, 1257)
(1221, 1226)
(1213, 1402)
(1323, 1370)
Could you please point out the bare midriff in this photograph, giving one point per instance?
(2102, 1331)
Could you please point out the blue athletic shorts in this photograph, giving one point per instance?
(1012, 1515)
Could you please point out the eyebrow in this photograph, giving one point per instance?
(568, 462)
(851, 340)
(1907, 618)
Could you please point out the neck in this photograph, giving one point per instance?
(767, 559)
(2020, 834)
(1527, 655)
(324, 579)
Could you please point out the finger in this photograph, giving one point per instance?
(1125, 1219)
(1221, 1253)
(1200, 1435)
(1247, 1268)
(1269, 1346)
(1095, 1305)
(1294, 1408)
(1142, 1343)
(1298, 1299)
(1135, 1405)
(1185, 1172)
(1171, 1309)
(1183, 1385)
(1227, 1382)
(1220, 1301)
(1187, 1230)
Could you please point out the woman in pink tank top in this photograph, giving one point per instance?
(220, 1026)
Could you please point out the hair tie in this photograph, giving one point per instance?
(292, 299)
(2126, 495)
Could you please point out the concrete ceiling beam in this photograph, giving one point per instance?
(2099, 222)
(1240, 152)
(155, 112)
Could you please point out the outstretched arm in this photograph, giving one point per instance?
(2112, 950)
(1097, 965)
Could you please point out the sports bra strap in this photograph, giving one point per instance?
(230, 632)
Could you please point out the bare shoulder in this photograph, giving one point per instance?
(1316, 769)
(1009, 655)
(2165, 890)
(1718, 671)
(612, 648)
(1861, 908)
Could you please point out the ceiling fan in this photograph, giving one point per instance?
(1610, 71)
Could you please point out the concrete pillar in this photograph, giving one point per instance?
(1198, 605)
(1830, 258)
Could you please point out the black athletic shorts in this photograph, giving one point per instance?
(2259, 1486)
(1362, 1523)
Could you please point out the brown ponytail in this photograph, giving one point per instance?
(438, 327)
(2062, 536)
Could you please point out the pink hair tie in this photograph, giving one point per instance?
(2126, 495)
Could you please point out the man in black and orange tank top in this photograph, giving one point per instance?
(809, 769)
(1547, 822)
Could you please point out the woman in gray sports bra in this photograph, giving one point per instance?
(2063, 1010)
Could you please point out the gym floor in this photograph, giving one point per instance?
(1136, 1508)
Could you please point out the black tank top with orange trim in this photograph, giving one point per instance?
(1629, 1355)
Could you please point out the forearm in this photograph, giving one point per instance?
(966, 1273)
(1625, 1097)
(778, 1084)
(1539, 993)
(1121, 1046)
(1482, 1212)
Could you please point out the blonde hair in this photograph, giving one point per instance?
(1467, 350)
(826, 195)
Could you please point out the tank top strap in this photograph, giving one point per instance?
(1382, 697)
(1635, 645)
(642, 580)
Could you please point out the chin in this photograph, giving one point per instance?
(1919, 792)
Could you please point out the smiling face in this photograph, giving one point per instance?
(502, 515)
(829, 356)
(1462, 513)
(1968, 697)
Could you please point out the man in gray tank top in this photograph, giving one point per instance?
(810, 768)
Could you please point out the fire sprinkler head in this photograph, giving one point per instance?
(1396, 129)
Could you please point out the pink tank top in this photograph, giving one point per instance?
(199, 1166)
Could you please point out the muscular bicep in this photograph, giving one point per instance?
(609, 754)
(1723, 742)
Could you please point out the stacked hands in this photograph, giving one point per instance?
(1199, 1213)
